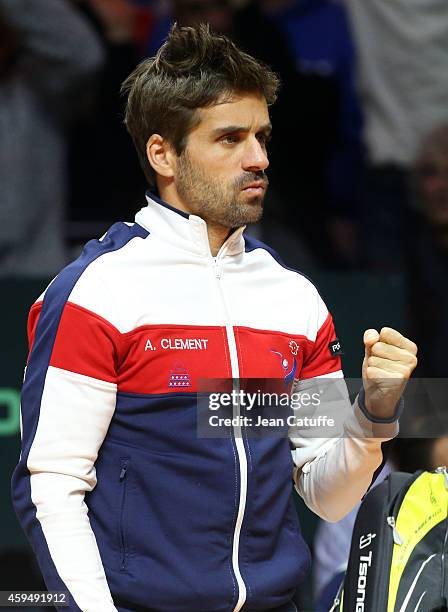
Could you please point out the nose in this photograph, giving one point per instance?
(255, 156)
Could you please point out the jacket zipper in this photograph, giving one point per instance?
(123, 481)
(241, 451)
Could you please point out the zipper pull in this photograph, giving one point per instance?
(216, 269)
(442, 470)
(123, 472)
(396, 536)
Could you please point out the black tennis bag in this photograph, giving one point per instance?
(398, 556)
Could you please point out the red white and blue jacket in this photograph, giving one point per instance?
(126, 507)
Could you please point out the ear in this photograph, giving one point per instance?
(161, 155)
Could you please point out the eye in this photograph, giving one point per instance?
(230, 139)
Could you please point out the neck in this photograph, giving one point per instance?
(217, 234)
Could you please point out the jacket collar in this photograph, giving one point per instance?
(182, 229)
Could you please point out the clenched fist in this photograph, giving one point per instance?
(389, 361)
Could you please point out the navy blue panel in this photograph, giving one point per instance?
(165, 525)
(55, 298)
(274, 558)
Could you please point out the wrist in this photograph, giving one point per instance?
(374, 418)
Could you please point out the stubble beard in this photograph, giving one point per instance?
(218, 204)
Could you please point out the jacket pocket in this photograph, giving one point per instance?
(123, 478)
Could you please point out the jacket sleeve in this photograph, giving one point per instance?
(58, 48)
(68, 400)
(337, 455)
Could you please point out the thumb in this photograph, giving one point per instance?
(371, 337)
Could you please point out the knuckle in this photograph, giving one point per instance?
(383, 332)
(380, 349)
(387, 331)
(376, 348)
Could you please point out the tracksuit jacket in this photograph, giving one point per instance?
(125, 505)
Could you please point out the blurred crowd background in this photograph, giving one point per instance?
(359, 156)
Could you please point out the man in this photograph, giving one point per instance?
(402, 52)
(427, 265)
(126, 506)
(44, 82)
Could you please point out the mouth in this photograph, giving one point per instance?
(255, 188)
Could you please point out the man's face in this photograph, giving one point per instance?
(220, 176)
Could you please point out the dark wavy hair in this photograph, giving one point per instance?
(194, 68)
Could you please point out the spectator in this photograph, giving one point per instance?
(105, 177)
(403, 55)
(48, 59)
(428, 258)
(328, 123)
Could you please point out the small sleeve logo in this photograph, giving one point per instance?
(335, 348)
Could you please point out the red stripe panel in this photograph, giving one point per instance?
(172, 358)
(321, 361)
(269, 354)
(86, 344)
